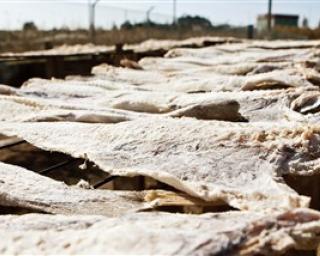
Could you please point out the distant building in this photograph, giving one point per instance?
(277, 20)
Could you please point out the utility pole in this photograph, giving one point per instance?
(174, 18)
(92, 14)
(269, 16)
(148, 14)
(125, 15)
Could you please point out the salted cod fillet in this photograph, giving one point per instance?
(219, 82)
(158, 76)
(240, 164)
(25, 189)
(63, 50)
(179, 59)
(165, 45)
(234, 53)
(296, 104)
(30, 109)
(121, 107)
(161, 234)
(286, 44)
(207, 82)
(105, 71)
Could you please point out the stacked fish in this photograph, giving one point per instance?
(230, 133)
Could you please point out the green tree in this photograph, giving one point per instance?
(187, 21)
(29, 26)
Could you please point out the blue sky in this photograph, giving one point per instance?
(74, 13)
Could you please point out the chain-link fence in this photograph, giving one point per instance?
(75, 14)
